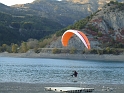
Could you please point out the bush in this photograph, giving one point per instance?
(56, 51)
(73, 51)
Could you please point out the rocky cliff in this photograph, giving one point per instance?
(105, 29)
(93, 5)
(110, 22)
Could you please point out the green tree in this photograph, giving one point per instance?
(100, 34)
(56, 51)
(73, 51)
(107, 50)
(4, 47)
(93, 51)
(14, 48)
(15, 24)
(24, 47)
(100, 52)
(27, 25)
(32, 43)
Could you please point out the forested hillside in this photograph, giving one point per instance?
(66, 12)
(14, 29)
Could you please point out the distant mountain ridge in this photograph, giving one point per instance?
(65, 12)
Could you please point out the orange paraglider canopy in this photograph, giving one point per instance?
(69, 33)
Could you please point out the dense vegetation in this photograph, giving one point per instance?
(119, 6)
(14, 29)
(107, 50)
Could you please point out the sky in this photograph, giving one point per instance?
(13, 2)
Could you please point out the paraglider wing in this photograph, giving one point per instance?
(85, 39)
(69, 33)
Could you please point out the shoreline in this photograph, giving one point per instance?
(13, 87)
(92, 57)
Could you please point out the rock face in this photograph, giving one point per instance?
(109, 23)
(93, 4)
(110, 20)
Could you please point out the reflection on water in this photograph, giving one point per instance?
(38, 70)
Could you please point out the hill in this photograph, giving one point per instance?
(16, 28)
(105, 28)
(45, 17)
(65, 12)
(42, 18)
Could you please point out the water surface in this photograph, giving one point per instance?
(40, 70)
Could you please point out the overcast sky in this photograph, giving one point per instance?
(13, 2)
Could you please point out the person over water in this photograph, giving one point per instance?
(74, 74)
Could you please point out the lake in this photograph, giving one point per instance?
(42, 70)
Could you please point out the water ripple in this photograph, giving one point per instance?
(59, 71)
